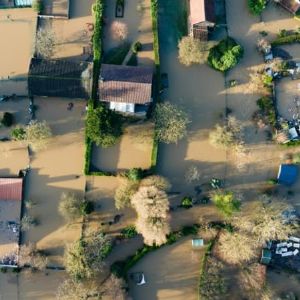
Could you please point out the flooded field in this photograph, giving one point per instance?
(17, 45)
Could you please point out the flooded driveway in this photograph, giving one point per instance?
(199, 90)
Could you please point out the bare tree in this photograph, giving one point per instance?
(152, 207)
(171, 122)
(30, 256)
(114, 288)
(158, 181)
(76, 290)
(27, 222)
(38, 134)
(119, 30)
(192, 174)
(45, 41)
(124, 193)
(71, 206)
(84, 258)
(236, 248)
(228, 136)
(193, 51)
(265, 221)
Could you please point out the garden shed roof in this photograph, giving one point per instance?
(202, 11)
(59, 78)
(127, 84)
(11, 189)
(56, 8)
(291, 5)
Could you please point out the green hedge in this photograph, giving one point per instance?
(121, 268)
(154, 15)
(97, 9)
(289, 39)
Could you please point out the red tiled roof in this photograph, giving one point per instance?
(11, 188)
(126, 84)
(202, 11)
(291, 5)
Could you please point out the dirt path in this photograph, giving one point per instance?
(171, 273)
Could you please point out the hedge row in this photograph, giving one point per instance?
(154, 15)
(121, 268)
(289, 39)
(98, 9)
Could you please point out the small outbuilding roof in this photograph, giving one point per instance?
(59, 78)
(202, 11)
(11, 189)
(127, 84)
(266, 256)
(287, 174)
(290, 5)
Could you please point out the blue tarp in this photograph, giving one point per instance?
(287, 174)
(23, 3)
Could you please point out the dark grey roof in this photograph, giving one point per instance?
(59, 78)
(127, 84)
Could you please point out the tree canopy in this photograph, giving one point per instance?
(257, 6)
(171, 122)
(225, 55)
(103, 126)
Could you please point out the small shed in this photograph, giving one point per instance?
(266, 256)
(197, 243)
(287, 174)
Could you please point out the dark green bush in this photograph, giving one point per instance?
(18, 133)
(136, 47)
(38, 6)
(257, 6)
(3, 270)
(187, 230)
(266, 106)
(135, 174)
(129, 232)
(225, 55)
(103, 126)
(187, 202)
(87, 207)
(7, 119)
(117, 55)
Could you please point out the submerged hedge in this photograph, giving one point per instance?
(284, 40)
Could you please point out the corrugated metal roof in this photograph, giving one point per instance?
(11, 188)
(290, 5)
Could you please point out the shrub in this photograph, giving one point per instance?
(289, 39)
(27, 222)
(129, 232)
(135, 174)
(257, 6)
(226, 202)
(37, 6)
(38, 134)
(136, 47)
(72, 206)
(7, 119)
(158, 181)
(103, 126)
(187, 202)
(225, 55)
(267, 80)
(87, 207)
(18, 133)
(267, 108)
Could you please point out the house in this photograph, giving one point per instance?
(60, 78)
(287, 174)
(11, 194)
(127, 89)
(202, 18)
(291, 6)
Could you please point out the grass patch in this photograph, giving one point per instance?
(117, 55)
